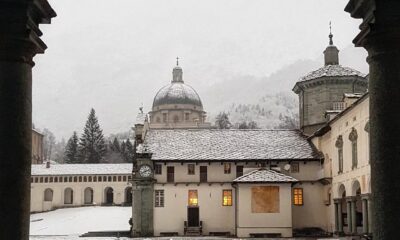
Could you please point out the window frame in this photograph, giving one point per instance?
(229, 201)
(193, 172)
(157, 169)
(159, 198)
(298, 192)
(295, 169)
(227, 168)
(191, 202)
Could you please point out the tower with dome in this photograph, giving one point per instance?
(177, 105)
(321, 91)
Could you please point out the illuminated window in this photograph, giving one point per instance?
(227, 168)
(297, 196)
(227, 198)
(159, 198)
(191, 169)
(193, 198)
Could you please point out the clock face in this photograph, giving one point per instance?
(145, 171)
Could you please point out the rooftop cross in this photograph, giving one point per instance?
(177, 61)
(330, 34)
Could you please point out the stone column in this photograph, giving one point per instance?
(349, 218)
(353, 215)
(336, 217)
(380, 36)
(365, 214)
(19, 43)
(370, 224)
(340, 217)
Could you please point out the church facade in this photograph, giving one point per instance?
(192, 180)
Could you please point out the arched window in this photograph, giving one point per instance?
(68, 196)
(353, 138)
(339, 146)
(88, 196)
(48, 195)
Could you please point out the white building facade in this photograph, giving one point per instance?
(73, 185)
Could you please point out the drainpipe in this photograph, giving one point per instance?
(236, 206)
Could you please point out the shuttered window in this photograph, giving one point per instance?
(298, 196)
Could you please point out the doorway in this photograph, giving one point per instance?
(193, 217)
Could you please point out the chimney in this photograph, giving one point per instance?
(48, 164)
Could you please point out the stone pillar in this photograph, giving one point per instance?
(349, 218)
(380, 36)
(336, 217)
(19, 43)
(365, 214)
(353, 215)
(370, 225)
(340, 217)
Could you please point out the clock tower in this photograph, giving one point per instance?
(142, 195)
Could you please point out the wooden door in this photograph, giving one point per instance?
(193, 216)
(203, 173)
(170, 174)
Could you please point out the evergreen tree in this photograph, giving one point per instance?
(71, 150)
(92, 147)
(128, 156)
(222, 121)
(115, 145)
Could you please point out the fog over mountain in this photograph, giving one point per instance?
(115, 57)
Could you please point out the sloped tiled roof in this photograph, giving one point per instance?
(81, 169)
(331, 71)
(213, 144)
(265, 175)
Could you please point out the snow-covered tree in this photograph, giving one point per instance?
(115, 145)
(222, 121)
(128, 154)
(252, 125)
(71, 150)
(49, 140)
(92, 147)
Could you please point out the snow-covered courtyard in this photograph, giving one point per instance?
(76, 221)
(70, 223)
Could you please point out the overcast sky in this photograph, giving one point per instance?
(115, 55)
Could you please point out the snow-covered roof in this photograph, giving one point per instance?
(331, 71)
(177, 93)
(215, 144)
(353, 95)
(265, 175)
(81, 169)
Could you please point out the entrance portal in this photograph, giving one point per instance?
(193, 217)
(109, 192)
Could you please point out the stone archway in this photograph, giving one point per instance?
(128, 196)
(357, 208)
(88, 196)
(48, 195)
(68, 196)
(109, 196)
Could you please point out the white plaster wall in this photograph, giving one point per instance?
(215, 217)
(37, 194)
(249, 222)
(313, 212)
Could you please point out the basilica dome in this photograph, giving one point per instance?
(177, 92)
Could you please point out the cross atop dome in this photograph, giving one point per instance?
(177, 72)
(330, 34)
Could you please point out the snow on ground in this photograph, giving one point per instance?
(76, 221)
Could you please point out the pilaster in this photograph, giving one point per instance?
(19, 43)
